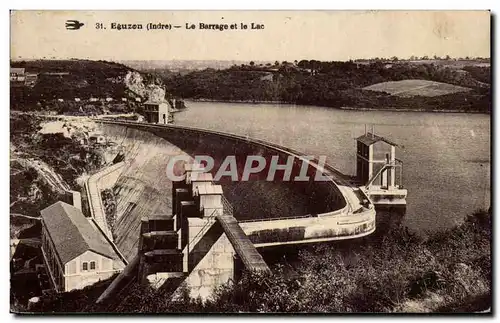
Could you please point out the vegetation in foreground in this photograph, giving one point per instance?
(43, 167)
(450, 271)
(67, 156)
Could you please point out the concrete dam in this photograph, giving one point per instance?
(270, 212)
(200, 230)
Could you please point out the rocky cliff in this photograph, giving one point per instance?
(137, 83)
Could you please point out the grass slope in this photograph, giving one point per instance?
(408, 88)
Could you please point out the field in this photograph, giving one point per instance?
(458, 64)
(409, 88)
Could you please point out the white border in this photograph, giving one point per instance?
(212, 5)
(256, 4)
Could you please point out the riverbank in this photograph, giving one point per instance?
(415, 110)
(389, 109)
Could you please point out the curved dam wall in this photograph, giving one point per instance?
(142, 189)
(257, 198)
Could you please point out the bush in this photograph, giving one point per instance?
(450, 270)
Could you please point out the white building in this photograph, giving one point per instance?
(76, 253)
(97, 138)
(17, 74)
(157, 112)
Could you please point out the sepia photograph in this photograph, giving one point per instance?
(306, 161)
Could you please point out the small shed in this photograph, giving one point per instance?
(373, 152)
(97, 138)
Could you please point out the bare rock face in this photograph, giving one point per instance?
(135, 83)
(155, 92)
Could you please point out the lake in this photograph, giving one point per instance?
(446, 156)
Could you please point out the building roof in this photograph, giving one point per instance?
(210, 190)
(369, 139)
(72, 233)
(17, 70)
(202, 177)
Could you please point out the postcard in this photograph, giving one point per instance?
(223, 162)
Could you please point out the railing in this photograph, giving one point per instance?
(227, 205)
(280, 218)
(387, 166)
(92, 214)
(208, 223)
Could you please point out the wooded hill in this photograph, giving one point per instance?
(337, 84)
(67, 86)
(74, 78)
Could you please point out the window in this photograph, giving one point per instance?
(92, 265)
(85, 266)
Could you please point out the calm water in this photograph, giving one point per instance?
(446, 156)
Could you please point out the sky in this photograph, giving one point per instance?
(287, 35)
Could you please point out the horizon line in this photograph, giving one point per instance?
(393, 58)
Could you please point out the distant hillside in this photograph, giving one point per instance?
(308, 82)
(341, 84)
(81, 67)
(182, 65)
(169, 68)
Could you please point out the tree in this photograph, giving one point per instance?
(252, 63)
(303, 64)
